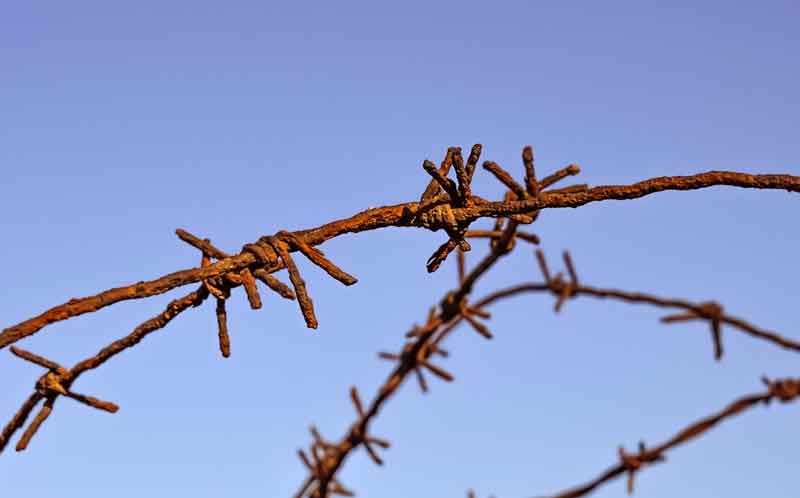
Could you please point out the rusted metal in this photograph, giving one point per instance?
(445, 204)
(784, 390)
(401, 215)
(454, 309)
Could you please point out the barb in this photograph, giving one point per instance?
(434, 187)
(37, 422)
(19, 419)
(222, 325)
(531, 185)
(531, 238)
(445, 183)
(506, 179)
(464, 177)
(316, 257)
(303, 299)
(571, 170)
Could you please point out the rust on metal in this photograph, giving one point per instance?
(446, 204)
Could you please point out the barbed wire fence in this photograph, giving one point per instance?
(445, 204)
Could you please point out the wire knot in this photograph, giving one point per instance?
(709, 310)
(630, 461)
(53, 382)
(452, 305)
(437, 217)
(784, 389)
(263, 252)
(435, 210)
(557, 285)
(633, 462)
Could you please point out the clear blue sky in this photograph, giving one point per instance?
(120, 123)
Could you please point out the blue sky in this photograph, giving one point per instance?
(120, 123)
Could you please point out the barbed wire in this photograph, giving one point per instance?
(415, 357)
(446, 205)
(783, 390)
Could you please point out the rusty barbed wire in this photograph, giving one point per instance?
(415, 355)
(411, 214)
(445, 204)
(783, 390)
(58, 380)
(710, 310)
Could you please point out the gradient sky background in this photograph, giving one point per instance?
(120, 123)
